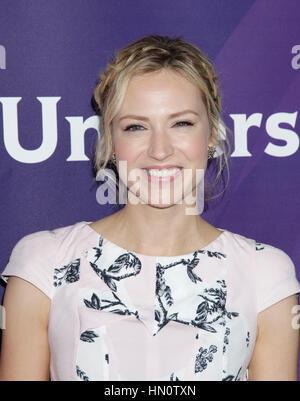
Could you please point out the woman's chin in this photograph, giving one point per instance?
(160, 202)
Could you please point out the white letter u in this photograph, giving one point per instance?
(11, 135)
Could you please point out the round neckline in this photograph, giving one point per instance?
(185, 255)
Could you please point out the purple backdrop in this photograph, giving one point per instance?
(50, 56)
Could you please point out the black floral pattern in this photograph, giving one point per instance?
(98, 250)
(218, 255)
(231, 377)
(213, 303)
(248, 338)
(173, 377)
(110, 304)
(88, 336)
(208, 302)
(226, 340)
(228, 378)
(126, 265)
(67, 274)
(81, 374)
(203, 357)
(259, 246)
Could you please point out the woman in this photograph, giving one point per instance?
(153, 291)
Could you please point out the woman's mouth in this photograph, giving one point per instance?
(162, 175)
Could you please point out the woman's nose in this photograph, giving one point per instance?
(160, 145)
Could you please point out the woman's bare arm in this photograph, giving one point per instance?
(25, 351)
(275, 356)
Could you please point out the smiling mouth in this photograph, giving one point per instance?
(162, 175)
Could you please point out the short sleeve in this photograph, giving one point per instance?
(32, 259)
(275, 276)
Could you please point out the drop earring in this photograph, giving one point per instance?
(211, 151)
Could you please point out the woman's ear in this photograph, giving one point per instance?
(213, 138)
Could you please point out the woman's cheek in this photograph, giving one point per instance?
(196, 152)
(127, 155)
(125, 151)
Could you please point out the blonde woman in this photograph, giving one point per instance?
(153, 291)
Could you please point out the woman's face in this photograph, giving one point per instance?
(162, 122)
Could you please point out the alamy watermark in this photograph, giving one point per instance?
(185, 186)
(2, 317)
(296, 319)
(296, 59)
(2, 58)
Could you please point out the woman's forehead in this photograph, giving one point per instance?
(165, 75)
(160, 88)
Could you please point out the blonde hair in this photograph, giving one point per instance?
(149, 54)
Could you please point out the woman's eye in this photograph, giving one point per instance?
(184, 123)
(137, 127)
(128, 128)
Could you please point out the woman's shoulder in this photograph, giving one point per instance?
(36, 255)
(269, 268)
(251, 244)
(63, 237)
(261, 256)
(44, 243)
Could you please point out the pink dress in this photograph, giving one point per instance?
(121, 315)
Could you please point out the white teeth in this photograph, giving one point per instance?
(166, 172)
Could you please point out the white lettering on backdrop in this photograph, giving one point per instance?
(77, 131)
(242, 124)
(11, 132)
(78, 128)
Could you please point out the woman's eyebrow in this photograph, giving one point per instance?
(170, 115)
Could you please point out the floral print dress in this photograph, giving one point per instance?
(121, 315)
